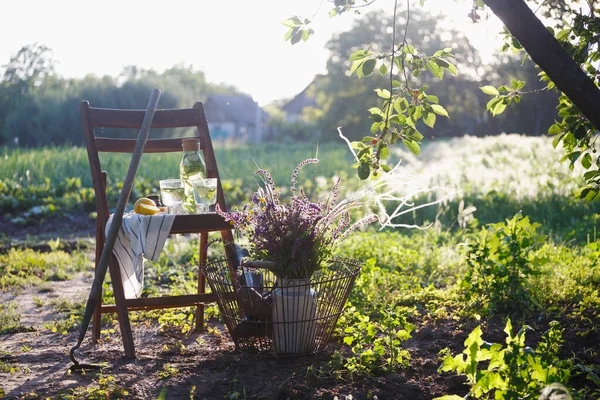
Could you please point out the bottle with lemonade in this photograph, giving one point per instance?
(191, 168)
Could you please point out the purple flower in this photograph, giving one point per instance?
(297, 238)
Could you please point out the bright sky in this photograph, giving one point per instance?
(239, 42)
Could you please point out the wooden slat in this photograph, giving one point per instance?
(177, 118)
(198, 223)
(110, 145)
(155, 303)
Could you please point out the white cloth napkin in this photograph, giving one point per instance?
(140, 236)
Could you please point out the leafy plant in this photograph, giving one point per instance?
(10, 317)
(168, 371)
(375, 345)
(499, 265)
(106, 387)
(513, 371)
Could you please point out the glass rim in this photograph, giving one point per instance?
(171, 182)
(202, 181)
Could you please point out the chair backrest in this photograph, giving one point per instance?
(92, 117)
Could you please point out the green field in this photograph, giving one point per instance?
(528, 253)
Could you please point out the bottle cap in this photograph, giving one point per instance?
(191, 144)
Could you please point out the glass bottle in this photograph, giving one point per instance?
(191, 168)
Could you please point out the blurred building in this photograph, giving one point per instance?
(235, 118)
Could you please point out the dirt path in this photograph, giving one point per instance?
(75, 290)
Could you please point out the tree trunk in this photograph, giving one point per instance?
(549, 55)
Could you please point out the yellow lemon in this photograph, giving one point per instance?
(143, 200)
(146, 209)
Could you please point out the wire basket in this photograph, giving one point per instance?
(268, 315)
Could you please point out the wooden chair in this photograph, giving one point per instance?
(194, 223)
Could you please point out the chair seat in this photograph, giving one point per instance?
(199, 223)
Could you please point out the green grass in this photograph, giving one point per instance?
(33, 166)
(26, 268)
(498, 175)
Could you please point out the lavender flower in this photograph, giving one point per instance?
(294, 239)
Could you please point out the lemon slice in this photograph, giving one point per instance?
(147, 209)
(143, 200)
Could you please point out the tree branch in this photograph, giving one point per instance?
(549, 55)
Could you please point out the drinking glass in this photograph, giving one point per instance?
(172, 195)
(205, 193)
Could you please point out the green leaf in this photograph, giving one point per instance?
(498, 108)
(435, 69)
(163, 393)
(474, 337)
(333, 12)
(492, 91)
(439, 110)
(306, 33)
(492, 103)
(383, 69)
(376, 117)
(355, 65)
(450, 397)
(452, 69)
(384, 152)
(296, 35)
(432, 99)
(375, 127)
(368, 66)
(400, 105)
(358, 55)
(364, 170)
(412, 146)
(441, 63)
(556, 140)
(385, 167)
(358, 145)
(416, 136)
(292, 22)
(591, 175)
(586, 161)
(375, 110)
(417, 113)
(516, 84)
(516, 44)
(564, 34)
(383, 93)
(429, 119)
(583, 192)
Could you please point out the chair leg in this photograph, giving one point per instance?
(122, 313)
(201, 281)
(97, 312)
